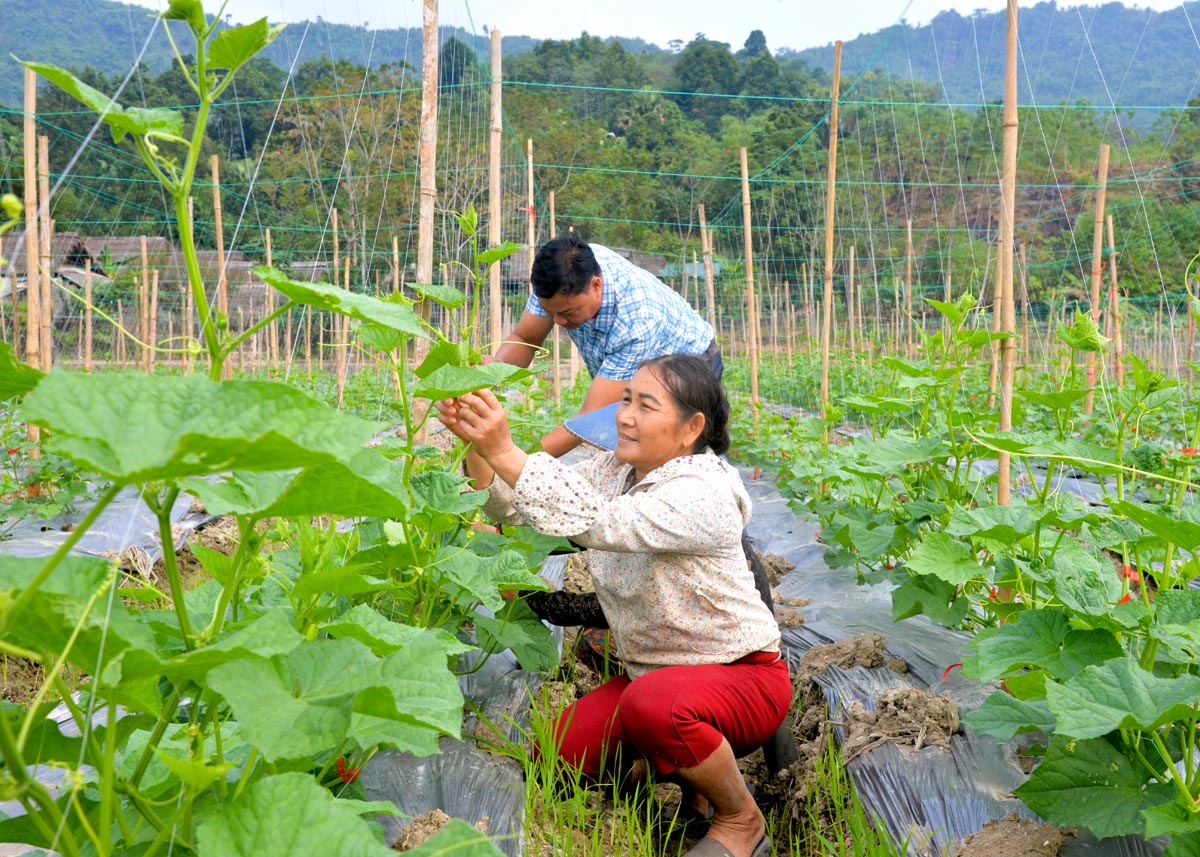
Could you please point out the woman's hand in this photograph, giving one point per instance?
(479, 419)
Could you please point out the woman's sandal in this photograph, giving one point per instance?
(709, 847)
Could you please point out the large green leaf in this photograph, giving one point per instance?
(1181, 533)
(383, 636)
(136, 121)
(439, 293)
(133, 427)
(1042, 639)
(16, 379)
(368, 484)
(495, 254)
(309, 701)
(930, 596)
(448, 381)
(1088, 783)
(288, 815)
(1119, 694)
(73, 605)
(395, 314)
(191, 11)
(1084, 582)
(269, 634)
(1001, 523)
(944, 557)
(1003, 716)
(518, 628)
(233, 47)
(1171, 819)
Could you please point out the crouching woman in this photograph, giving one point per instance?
(663, 517)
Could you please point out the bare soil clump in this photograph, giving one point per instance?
(863, 650)
(776, 567)
(1013, 836)
(425, 827)
(909, 717)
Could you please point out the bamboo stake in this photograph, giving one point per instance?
(428, 183)
(1009, 197)
(830, 199)
(789, 322)
(556, 337)
(850, 302)
(342, 344)
(119, 336)
(144, 309)
(152, 340)
(308, 332)
(222, 286)
(804, 287)
(495, 236)
(1115, 301)
(33, 291)
(46, 233)
(751, 305)
(186, 332)
(1097, 268)
(273, 329)
(909, 347)
(1024, 307)
(709, 286)
(87, 315)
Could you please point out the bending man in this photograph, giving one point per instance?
(616, 313)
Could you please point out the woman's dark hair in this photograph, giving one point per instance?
(565, 265)
(695, 390)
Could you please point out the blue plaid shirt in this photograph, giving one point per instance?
(640, 318)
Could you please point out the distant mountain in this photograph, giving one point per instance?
(1110, 54)
(109, 35)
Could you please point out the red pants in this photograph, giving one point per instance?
(676, 716)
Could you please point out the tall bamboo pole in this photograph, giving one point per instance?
(87, 315)
(751, 304)
(1009, 197)
(152, 331)
(830, 199)
(850, 302)
(908, 287)
(1115, 301)
(1097, 269)
(1024, 305)
(144, 309)
(495, 235)
(556, 336)
(46, 234)
(33, 291)
(341, 341)
(273, 329)
(428, 160)
(222, 286)
(710, 294)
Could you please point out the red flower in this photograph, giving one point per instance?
(1125, 598)
(346, 775)
(14, 451)
(993, 593)
(1133, 429)
(1188, 450)
(891, 565)
(1130, 573)
(970, 398)
(946, 671)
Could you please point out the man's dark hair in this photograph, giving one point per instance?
(695, 390)
(565, 265)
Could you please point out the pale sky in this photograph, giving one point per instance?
(786, 23)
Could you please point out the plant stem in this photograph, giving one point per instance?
(162, 510)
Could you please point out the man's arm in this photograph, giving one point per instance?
(603, 391)
(519, 346)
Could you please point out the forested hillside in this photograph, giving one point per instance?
(1105, 55)
(631, 143)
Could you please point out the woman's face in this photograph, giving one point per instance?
(650, 431)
